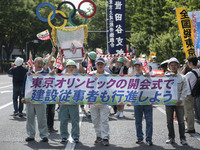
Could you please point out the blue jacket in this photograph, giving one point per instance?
(18, 74)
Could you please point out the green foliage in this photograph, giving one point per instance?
(153, 22)
(140, 40)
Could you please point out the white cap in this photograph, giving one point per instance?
(173, 59)
(19, 61)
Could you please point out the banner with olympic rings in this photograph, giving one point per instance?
(72, 14)
(116, 36)
(66, 37)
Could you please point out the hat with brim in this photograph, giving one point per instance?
(71, 63)
(173, 59)
(92, 55)
(122, 60)
(138, 63)
(19, 61)
(100, 60)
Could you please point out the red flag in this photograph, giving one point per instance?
(59, 62)
(44, 35)
(89, 66)
(30, 63)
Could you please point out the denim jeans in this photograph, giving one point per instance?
(147, 111)
(16, 95)
(170, 120)
(50, 115)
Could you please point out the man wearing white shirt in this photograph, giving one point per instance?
(100, 113)
(189, 101)
(178, 108)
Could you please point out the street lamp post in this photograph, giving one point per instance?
(27, 51)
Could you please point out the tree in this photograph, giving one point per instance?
(140, 40)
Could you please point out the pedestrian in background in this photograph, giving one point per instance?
(189, 100)
(117, 66)
(18, 73)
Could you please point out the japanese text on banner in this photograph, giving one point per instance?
(116, 24)
(100, 89)
(186, 30)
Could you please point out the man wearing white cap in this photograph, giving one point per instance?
(18, 74)
(178, 108)
(140, 111)
(100, 113)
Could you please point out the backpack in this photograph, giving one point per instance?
(196, 89)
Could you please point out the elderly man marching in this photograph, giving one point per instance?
(38, 110)
(100, 113)
(178, 108)
(69, 110)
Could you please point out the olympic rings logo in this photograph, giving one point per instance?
(51, 16)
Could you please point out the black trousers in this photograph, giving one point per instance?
(50, 115)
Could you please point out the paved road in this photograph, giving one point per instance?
(122, 136)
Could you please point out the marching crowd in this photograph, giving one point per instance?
(187, 106)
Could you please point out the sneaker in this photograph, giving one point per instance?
(28, 139)
(117, 114)
(139, 142)
(98, 139)
(170, 140)
(121, 114)
(190, 131)
(105, 142)
(52, 130)
(149, 142)
(45, 139)
(15, 114)
(184, 142)
(64, 140)
(20, 115)
(76, 140)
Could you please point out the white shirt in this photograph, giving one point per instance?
(95, 72)
(191, 78)
(152, 73)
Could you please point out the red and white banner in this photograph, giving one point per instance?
(89, 66)
(30, 63)
(113, 55)
(44, 35)
(59, 62)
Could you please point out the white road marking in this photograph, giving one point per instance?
(196, 135)
(70, 144)
(1, 107)
(5, 86)
(8, 91)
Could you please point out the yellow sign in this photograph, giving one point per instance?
(150, 56)
(186, 30)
